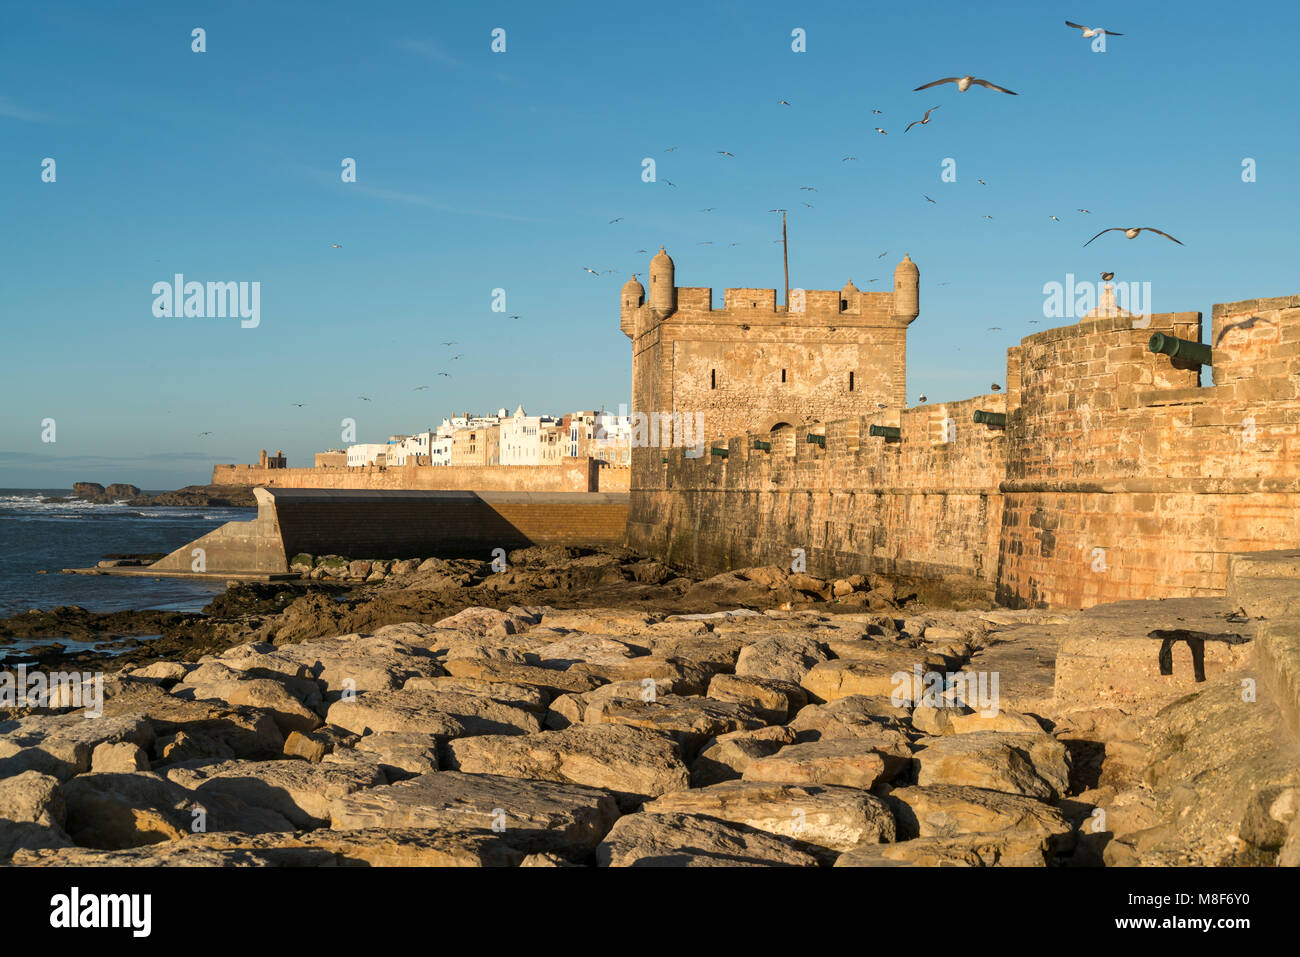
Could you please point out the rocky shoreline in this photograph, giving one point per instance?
(191, 496)
(437, 716)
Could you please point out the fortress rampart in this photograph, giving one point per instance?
(1116, 474)
(572, 475)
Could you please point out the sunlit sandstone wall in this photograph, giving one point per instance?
(1127, 480)
(919, 506)
(573, 475)
(1117, 476)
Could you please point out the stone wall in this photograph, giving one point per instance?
(400, 524)
(921, 506)
(572, 475)
(1118, 474)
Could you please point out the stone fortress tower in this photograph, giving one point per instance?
(754, 365)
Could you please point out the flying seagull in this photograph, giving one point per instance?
(297, 405)
(447, 374)
(809, 205)
(669, 182)
(452, 343)
(847, 158)
(1053, 219)
(964, 83)
(1092, 31)
(201, 434)
(419, 388)
(724, 153)
(811, 189)
(988, 217)
(514, 317)
(336, 245)
(877, 112)
(883, 255)
(364, 398)
(923, 120)
(454, 358)
(1085, 211)
(613, 221)
(981, 182)
(928, 198)
(708, 243)
(642, 251)
(784, 103)
(1130, 232)
(707, 210)
(590, 270)
(880, 131)
(670, 149)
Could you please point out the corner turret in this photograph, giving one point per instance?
(907, 291)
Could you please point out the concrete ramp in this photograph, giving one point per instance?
(398, 524)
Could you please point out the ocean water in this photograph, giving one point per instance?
(35, 535)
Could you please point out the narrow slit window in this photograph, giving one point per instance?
(782, 375)
(850, 381)
(713, 378)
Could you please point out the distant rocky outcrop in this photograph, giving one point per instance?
(191, 496)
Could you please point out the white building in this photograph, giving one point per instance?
(367, 453)
(409, 448)
(521, 438)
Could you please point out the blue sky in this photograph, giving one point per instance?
(479, 170)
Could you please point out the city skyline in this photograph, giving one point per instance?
(230, 172)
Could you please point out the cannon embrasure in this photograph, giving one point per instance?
(885, 431)
(816, 439)
(722, 452)
(984, 417)
(1177, 348)
(762, 446)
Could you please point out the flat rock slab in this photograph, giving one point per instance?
(946, 810)
(687, 840)
(1024, 659)
(891, 677)
(850, 762)
(552, 681)
(62, 745)
(301, 792)
(775, 700)
(528, 697)
(1108, 659)
(786, 657)
(854, 716)
(685, 676)
(630, 762)
(715, 652)
(443, 713)
(539, 815)
(360, 663)
(1004, 849)
(832, 818)
(1035, 765)
(690, 721)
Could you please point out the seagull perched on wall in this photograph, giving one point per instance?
(995, 387)
(1107, 276)
(923, 120)
(964, 83)
(920, 398)
(1090, 32)
(1131, 232)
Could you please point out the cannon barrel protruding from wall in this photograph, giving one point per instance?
(1180, 348)
(885, 431)
(990, 418)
